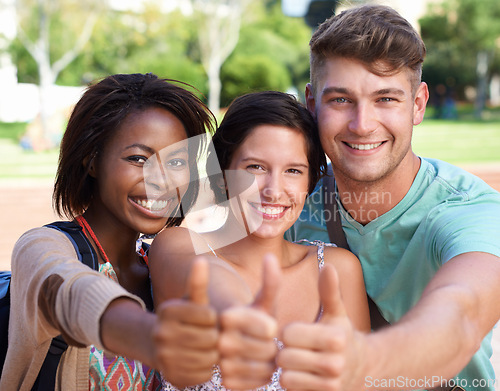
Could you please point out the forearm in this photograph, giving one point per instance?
(126, 329)
(445, 328)
(433, 342)
(179, 340)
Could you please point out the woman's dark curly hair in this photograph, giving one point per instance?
(247, 112)
(99, 113)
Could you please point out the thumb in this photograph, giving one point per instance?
(329, 292)
(271, 279)
(197, 284)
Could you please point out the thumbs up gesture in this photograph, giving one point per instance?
(246, 345)
(322, 355)
(186, 333)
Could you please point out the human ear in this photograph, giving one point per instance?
(310, 101)
(89, 164)
(420, 102)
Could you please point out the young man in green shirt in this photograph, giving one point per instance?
(427, 233)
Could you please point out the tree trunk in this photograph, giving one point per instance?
(218, 36)
(482, 83)
(214, 86)
(43, 133)
(48, 137)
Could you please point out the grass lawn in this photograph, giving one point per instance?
(458, 142)
(20, 165)
(12, 131)
(463, 141)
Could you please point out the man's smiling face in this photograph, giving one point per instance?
(365, 120)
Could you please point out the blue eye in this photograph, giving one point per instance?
(339, 100)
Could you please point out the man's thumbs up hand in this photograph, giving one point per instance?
(317, 355)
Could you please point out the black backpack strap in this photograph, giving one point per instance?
(333, 223)
(85, 251)
(46, 379)
(4, 314)
(337, 236)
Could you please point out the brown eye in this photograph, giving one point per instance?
(294, 171)
(255, 167)
(137, 159)
(176, 163)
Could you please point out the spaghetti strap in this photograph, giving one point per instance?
(321, 249)
(202, 239)
(211, 249)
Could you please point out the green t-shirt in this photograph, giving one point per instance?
(446, 212)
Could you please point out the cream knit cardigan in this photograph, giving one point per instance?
(53, 293)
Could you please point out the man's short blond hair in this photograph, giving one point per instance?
(375, 35)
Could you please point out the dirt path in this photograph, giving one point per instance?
(27, 205)
(22, 208)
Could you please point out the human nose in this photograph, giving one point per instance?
(272, 188)
(155, 176)
(156, 182)
(363, 120)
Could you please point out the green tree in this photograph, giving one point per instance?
(150, 41)
(462, 38)
(272, 54)
(246, 73)
(128, 42)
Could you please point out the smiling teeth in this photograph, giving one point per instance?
(271, 210)
(152, 205)
(364, 147)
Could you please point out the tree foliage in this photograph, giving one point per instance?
(219, 23)
(126, 42)
(271, 53)
(53, 43)
(458, 34)
(47, 39)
